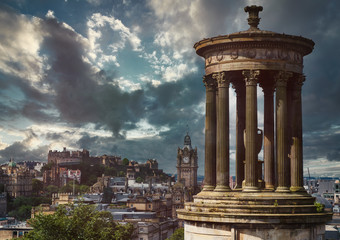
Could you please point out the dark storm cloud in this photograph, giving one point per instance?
(20, 152)
(322, 145)
(79, 97)
(174, 102)
(58, 136)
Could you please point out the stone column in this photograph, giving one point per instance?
(296, 153)
(281, 80)
(251, 178)
(222, 161)
(268, 142)
(210, 134)
(240, 90)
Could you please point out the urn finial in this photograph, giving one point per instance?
(253, 19)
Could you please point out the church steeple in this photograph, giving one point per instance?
(187, 141)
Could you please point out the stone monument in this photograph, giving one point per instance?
(275, 206)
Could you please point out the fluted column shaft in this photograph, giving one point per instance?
(296, 153)
(251, 178)
(210, 134)
(281, 80)
(222, 161)
(268, 143)
(240, 126)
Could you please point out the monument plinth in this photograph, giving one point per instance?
(275, 206)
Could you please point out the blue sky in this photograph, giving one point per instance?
(121, 77)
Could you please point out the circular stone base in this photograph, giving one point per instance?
(263, 208)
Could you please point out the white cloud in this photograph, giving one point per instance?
(127, 85)
(50, 14)
(20, 46)
(101, 52)
(176, 72)
(144, 130)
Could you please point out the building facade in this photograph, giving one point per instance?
(187, 164)
(17, 180)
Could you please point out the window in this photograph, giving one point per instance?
(141, 229)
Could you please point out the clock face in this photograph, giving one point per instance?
(186, 159)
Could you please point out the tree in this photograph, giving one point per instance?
(177, 235)
(47, 166)
(139, 179)
(20, 207)
(51, 189)
(82, 222)
(121, 174)
(37, 186)
(125, 161)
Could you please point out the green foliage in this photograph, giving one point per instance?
(319, 207)
(20, 207)
(178, 234)
(77, 188)
(110, 171)
(121, 174)
(90, 172)
(139, 180)
(37, 186)
(81, 222)
(125, 161)
(51, 189)
(47, 166)
(276, 203)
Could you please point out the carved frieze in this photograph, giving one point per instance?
(258, 54)
(219, 56)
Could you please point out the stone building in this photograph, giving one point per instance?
(186, 186)
(161, 205)
(16, 179)
(187, 164)
(65, 157)
(275, 206)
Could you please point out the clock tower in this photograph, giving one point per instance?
(187, 164)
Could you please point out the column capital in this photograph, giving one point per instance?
(281, 78)
(209, 82)
(222, 79)
(298, 82)
(251, 77)
(268, 89)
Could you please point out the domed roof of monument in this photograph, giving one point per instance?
(253, 35)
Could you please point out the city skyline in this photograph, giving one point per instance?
(122, 78)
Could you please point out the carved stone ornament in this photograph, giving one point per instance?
(251, 53)
(209, 58)
(209, 82)
(251, 76)
(234, 54)
(221, 79)
(269, 53)
(283, 54)
(297, 57)
(219, 56)
(281, 78)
